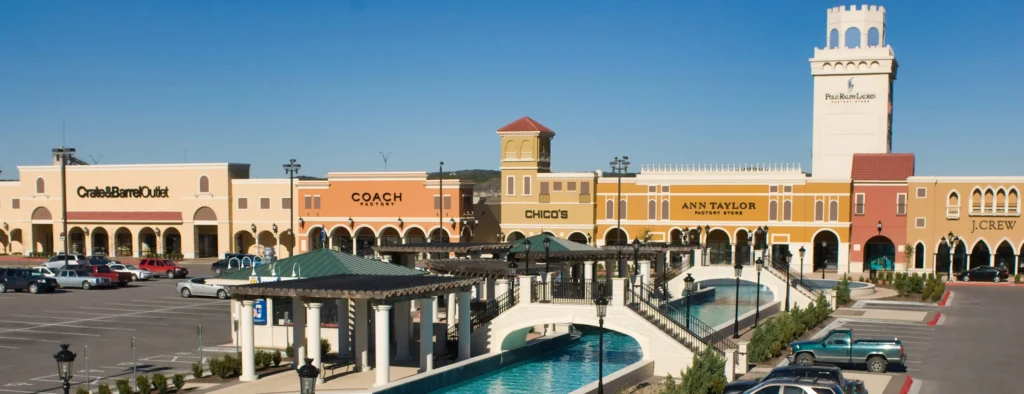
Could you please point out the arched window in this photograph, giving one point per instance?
(1012, 203)
(1000, 201)
(919, 256)
(609, 209)
(652, 210)
(976, 201)
(664, 209)
(773, 210)
(852, 37)
(622, 208)
(833, 39)
(204, 184)
(988, 202)
(833, 211)
(40, 186)
(819, 211)
(873, 37)
(787, 210)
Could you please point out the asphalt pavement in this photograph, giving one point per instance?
(164, 326)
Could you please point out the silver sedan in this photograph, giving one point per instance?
(199, 287)
(83, 279)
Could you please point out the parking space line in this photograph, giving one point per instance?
(29, 339)
(106, 316)
(70, 325)
(9, 347)
(177, 313)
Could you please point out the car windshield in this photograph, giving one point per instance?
(102, 268)
(822, 375)
(129, 266)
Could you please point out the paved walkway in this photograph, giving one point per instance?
(288, 381)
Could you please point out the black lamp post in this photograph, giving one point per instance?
(602, 311)
(759, 265)
(501, 237)
(65, 155)
(65, 359)
(824, 259)
(528, 246)
(789, 259)
(802, 253)
(736, 326)
(636, 256)
(291, 169)
(619, 167)
(689, 292)
(513, 269)
(950, 240)
(707, 233)
(547, 254)
(307, 377)
(440, 200)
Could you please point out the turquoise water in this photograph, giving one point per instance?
(723, 308)
(558, 371)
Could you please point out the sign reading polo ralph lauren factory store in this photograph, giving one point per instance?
(385, 199)
(715, 208)
(547, 214)
(850, 96)
(117, 192)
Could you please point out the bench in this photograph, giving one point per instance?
(334, 364)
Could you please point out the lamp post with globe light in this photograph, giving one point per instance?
(65, 361)
(789, 284)
(602, 310)
(736, 326)
(307, 377)
(689, 293)
(757, 303)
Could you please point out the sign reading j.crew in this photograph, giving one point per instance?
(117, 192)
(376, 199)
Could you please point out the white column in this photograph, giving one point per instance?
(500, 288)
(382, 320)
(645, 272)
(464, 334)
(730, 365)
(247, 345)
(452, 314)
(402, 330)
(353, 244)
(427, 334)
(741, 359)
(618, 292)
(298, 328)
(588, 270)
(435, 315)
(489, 293)
(992, 259)
(362, 328)
(344, 346)
(526, 289)
(313, 333)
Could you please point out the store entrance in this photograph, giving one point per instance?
(206, 241)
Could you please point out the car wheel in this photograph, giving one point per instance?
(222, 294)
(33, 288)
(3, 287)
(967, 278)
(86, 286)
(805, 359)
(877, 364)
(135, 278)
(217, 271)
(186, 293)
(170, 274)
(995, 279)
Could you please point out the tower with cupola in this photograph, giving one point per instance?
(853, 85)
(525, 152)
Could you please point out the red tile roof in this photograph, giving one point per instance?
(101, 216)
(882, 166)
(526, 124)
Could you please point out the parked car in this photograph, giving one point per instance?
(135, 272)
(163, 267)
(985, 273)
(839, 347)
(19, 279)
(822, 372)
(58, 261)
(103, 271)
(45, 272)
(796, 385)
(100, 260)
(199, 287)
(81, 278)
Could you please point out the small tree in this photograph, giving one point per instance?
(706, 375)
(142, 383)
(908, 252)
(104, 389)
(179, 381)
(81, 390)
(276, 358)
(160, 383)
(197, 370)
(646, 235)
(124, 386)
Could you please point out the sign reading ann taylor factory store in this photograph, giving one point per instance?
(117, 192)
(715, 208)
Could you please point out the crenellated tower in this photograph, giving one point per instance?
(853, 86)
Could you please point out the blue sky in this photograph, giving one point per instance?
(333, 83)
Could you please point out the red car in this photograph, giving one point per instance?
(163, 267)
(102, 271)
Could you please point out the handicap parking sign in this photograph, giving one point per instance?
(259, 312)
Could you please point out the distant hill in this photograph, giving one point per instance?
(475, 176)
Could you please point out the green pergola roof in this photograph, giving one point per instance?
(323, 262)
(557, 245)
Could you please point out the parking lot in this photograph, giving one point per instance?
(164, 326)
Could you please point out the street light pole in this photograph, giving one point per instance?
(688, 280)
(65, 362)
(757, 303)
(619, 167)
(602, 309)
(636, 256)
(736, 326)
(802, 252)
(291, 169)
(824, 260)
(65, 154)
(440, 201)
(789, 284)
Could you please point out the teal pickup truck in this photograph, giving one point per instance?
(840, 347)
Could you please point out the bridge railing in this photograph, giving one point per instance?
(690, 331)
(570, 291)
(477, 318)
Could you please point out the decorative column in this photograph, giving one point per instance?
(489, 293)
(500, 288)
(382, 321)
(344, 346)
(645, 272)
(402, 318)
(992, 259)
(452, 314)
(618, 292)
(588, 271)
(526, 289)
(741, 359)
(247, 343)
(730, 365)
(298, 329)
(354, 244)
(313, 333)
(362, 327)
(436, 316)
(427, 334)
(464, 334)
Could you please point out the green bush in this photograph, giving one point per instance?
(142, 384)
(940, 289)
(843, 296)
(276, 358)
(900, 285)
(124, 386)
(289, 351)
(104, 389)
(264, 358)
(861, 278)
(81, 390)
(889, 277)
(773, 335)
(926, 294)
(325, 347)
(160, 383)
(197, 370)
(705, 376)
(179, 381)
(1016, 279)
(916, 284)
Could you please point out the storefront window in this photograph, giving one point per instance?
(284, 314)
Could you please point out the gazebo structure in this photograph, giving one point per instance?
(386, 294)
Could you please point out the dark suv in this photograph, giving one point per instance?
(817, 372)
(100, 260)
(19, 279)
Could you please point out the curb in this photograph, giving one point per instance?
(981, 284)
(935, 320)
(946, 298)
(907, 384)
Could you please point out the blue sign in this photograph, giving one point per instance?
(259, 312)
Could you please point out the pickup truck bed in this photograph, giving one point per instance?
(838, 348)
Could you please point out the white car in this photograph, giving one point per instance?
(199, 287)
(57, 262)
(137, 274)
(45, 272)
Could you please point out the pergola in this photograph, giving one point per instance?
(382, 293)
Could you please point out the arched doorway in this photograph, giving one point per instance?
(287, 241)
(743, 248)
(980, 255)
(439, 237)
(877, 247)
(390, 236)
(578, 237)
(959, 257)
(76, 240)
(100, 242)
(42, 231)
(172, 241)
(919, 256)
(17, 241)
(123, 242)
(245, 242)
(942, 261)
(5, 243)
(341, 240)
(719, 249)
(365, 241)
(514, 236)
(266, 240)
(415, 235)
(316, 238)
(205, 220)
(1005, 257)
(615, 237)
(466, 235)
(675, 237)
(826, 251)
(147, 242)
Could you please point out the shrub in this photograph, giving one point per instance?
(1016, 279)
(761, 342)
(669, 385)
(289, 351)
(81, 390)
(889, 277)
(276, 358)
(179, 381)
(926, 294)
(104, 389)
(197, 370)
(325, 347)
(142, 383)
(940, 289)
(916, 284)
(124, 386)
(843, 291)
(160, 383)
(706, 375)
(822, 310)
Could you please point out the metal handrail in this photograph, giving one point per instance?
(697, 337)
(500, 305)
(795, 283)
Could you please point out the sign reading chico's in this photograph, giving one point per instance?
(117, 192)
(547, 214)
(376, 199)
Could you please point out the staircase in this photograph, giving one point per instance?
(672, 273)
(779, 271)
(687, 330)
(477, 318)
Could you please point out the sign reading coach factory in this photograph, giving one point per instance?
(376, 199)
(714, 208)
(117, 192)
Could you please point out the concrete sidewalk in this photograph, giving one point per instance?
(288, 381)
